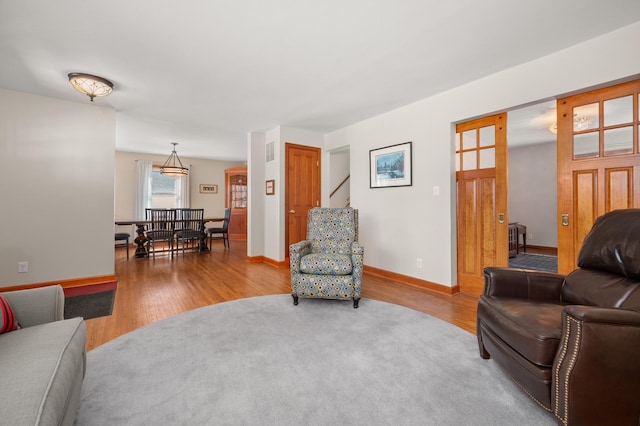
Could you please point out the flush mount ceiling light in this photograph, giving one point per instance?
(173, 166)
(90, 85)
(579, 123)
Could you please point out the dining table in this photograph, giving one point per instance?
(141, 238)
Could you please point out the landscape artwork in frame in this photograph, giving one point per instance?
(390, 166)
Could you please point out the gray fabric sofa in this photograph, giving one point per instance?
(42, 365)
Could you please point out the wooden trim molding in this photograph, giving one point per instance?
(268, 261)
(417, 282)
(404, 279)
(74, 286)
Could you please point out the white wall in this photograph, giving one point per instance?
(399, 225)
(338, 171)
(256, 194)
(202, 171)
(57, 188)
(273, 209)
(533, 195)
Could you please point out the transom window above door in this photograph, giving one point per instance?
(476, 149)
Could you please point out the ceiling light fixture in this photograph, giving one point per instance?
(170, 167)
(579, 123)
(90, 85)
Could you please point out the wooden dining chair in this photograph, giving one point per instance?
(221, 232)
(190, 229)
(161, 228)
(123, 236)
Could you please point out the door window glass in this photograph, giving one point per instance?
(618, 111)
(618, 141)
(586, 145)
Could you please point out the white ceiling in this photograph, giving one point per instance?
(204, 73)
(530, 125)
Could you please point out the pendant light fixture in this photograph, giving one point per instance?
(579, 123)
(173, 166)
(90, 85)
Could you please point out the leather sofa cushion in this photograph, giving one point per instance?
(326, 264)
(613, 243)
(596, 288)
(529, 327)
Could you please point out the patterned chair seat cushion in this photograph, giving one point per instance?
(326, 264)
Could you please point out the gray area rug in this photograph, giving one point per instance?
(263, 361)
(538, 262)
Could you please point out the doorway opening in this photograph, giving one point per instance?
(532, 187)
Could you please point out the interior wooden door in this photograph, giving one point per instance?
(598, 162)
(302, 189)
(236, 198)
(481, 180)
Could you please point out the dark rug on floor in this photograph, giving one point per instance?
(87, 306)
(538, 262)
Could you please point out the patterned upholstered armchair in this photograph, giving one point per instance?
(328, 264)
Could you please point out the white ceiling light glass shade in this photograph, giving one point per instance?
(579, 123)
(90, 85)
(173, 166)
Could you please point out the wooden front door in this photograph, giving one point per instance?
(481, 180)
(598, 162)
(302, 189)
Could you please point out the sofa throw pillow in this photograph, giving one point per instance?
(8, 321)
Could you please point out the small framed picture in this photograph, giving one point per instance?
(206, 188)
(390, 166)
(270, 187)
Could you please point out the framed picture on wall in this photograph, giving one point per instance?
(270, 187)
(207, 188)
(390, 166)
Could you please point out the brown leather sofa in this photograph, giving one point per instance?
(572, 343)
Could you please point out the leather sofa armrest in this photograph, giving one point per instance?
(522, 284)
(610, 316)
(37, 306)
(596, 375)
(296, 251)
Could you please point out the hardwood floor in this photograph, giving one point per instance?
(149, 290)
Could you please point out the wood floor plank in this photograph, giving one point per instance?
(150, 290)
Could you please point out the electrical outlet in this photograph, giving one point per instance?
(436, 190)
(23, 267)
(419, 263)
(530, 236)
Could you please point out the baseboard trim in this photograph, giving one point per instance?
(404, 279)
(75, 286)
(551, 250)
(416, 282)
(268, 261)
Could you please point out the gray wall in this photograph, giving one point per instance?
(533, 192)
(57, 188)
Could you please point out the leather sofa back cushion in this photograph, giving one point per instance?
(613, 244)
(597, 288)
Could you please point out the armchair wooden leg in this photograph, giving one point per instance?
(295, 299)
(355, 302)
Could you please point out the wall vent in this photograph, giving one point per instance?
(270, 152)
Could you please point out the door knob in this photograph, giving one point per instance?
(292, 211)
